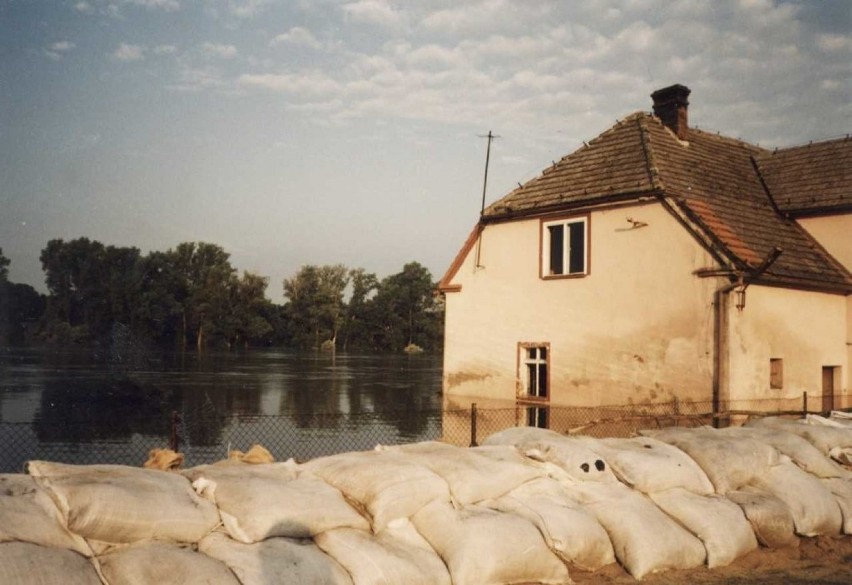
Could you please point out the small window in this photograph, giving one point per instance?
(564, 247)
(537, 416)
(776, 373)
(534, 369)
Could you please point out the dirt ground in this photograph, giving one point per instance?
(817, 561)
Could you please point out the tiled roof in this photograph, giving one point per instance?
(811, 179)
(711, 180)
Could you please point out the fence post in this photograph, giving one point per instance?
(473, 442)
(804, 404)
(173, 438)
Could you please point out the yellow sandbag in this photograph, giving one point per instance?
(164, 460)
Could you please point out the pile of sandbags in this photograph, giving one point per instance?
(526, 507)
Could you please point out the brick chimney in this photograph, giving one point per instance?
(670, 105)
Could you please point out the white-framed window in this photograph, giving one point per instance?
(534, 371)
(565, 247)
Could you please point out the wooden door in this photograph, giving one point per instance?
(827, 388)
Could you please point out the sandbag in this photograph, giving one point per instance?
(814, 509)
(729, 463)
(718, 522)
(644, 538)
(264, 500)
(481, 546)
(385, 483)
(471, 474)
(164, 460)
(28, 514)
(119, 504)
(23, 563)
(162, 564)
(275, 561)
(824, 438)
(770, 518)
(799, 450)
(397, 554)
(649, 465)
(571, 455)
(842, 491)
(573, 534)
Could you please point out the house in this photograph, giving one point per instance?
(659, 261)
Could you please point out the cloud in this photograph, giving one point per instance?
(313, 84)
(373, 12)
(221, 51)
(167, 5)
(195, 79)
(247, 8)
(58, 49)
(296, 36)
(165, 50)
(84, 7)
(127, 52)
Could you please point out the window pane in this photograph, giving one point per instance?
(542, 381)
(557, 247)
(577, 260)
(542, 353)
(532, 379)
(531, 353)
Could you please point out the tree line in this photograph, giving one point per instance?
(191, 296)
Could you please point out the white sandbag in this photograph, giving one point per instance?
(814, 509)
(119, 504)
(841, 455)
(23, 563)
(770, 518)
(571, 455)
(386, 483)
(803, 453)
(824, 438)
(817, 420)
(573, 534)
(841, 417)
(644, 538)
(275, 561)
(729, 463)
(397, 554)
(472, 476)
(28, 514)
(718, 522)
(649, 465)
(163, 564)
(481, 546)
(842, 491)
(260, 501)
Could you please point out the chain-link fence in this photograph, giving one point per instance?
(204, 436)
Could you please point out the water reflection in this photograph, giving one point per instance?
(83, 398)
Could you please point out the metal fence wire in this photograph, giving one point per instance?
(205, 435)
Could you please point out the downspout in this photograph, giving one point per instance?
(721, 340)
(721, 333)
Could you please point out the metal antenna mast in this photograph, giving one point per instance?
(490, 137)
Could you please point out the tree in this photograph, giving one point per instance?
(356, 325)
(246, 321)
(315, 303)
(206, 277)
(404, 310)
(4, 267)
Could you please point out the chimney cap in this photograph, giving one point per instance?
(676, 93)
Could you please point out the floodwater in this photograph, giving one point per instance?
(111, 407)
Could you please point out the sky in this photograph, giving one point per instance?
(351, 131)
